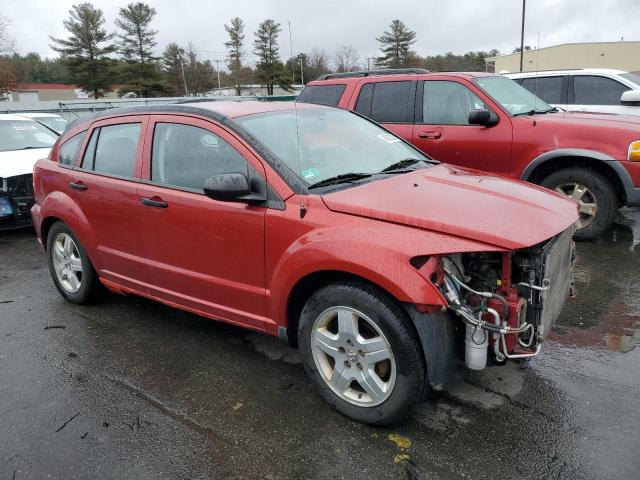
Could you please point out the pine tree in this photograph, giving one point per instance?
(235, 51)
(136, 42)
(395, 46)
(86, 51)
(172, 66)
(269, 69)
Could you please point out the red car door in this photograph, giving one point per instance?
(202, 254)
(442, 129)
(104, 186)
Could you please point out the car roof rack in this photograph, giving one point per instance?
(366, 73)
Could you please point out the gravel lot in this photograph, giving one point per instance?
(129, 388)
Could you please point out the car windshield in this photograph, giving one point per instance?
(24, 134)
(513, 97)
(319, 143)
(54, 123)
(633, 77)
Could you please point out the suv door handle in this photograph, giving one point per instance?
(429, 134)
(150, 202)
(78, 185)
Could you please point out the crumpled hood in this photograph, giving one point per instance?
(19, 162)
(505, 213)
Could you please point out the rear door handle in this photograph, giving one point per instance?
(78, 185)
(429, 134)
(150, 202)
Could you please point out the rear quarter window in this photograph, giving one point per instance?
(68, 152)
(387, 102)
(322, 94)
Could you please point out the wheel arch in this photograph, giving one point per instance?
(559, 159)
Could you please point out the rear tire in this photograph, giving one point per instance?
(70, 266)
(589, 188)
(372, 371)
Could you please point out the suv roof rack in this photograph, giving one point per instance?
(366, 73)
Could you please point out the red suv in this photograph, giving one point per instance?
(488, 122)
(313, 224)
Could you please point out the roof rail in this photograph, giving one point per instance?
(366, 73)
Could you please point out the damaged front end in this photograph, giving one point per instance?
(508, 301)
(16, 200)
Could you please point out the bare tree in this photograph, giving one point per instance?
(6, 42)
(7, 75)
(346, 59)
(317, 62)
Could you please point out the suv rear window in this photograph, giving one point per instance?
(112, 149)
(322, 94)
(387, 102)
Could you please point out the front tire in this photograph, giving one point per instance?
(69, 265)
(595, 194)
(362, 353)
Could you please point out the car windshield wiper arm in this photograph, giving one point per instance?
(342, 178)
(401, 164)
(533, 112)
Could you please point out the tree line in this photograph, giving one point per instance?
(94, 57)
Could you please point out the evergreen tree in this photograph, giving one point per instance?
(136, 42)
(86, 51)
(235, 51)
(172, 66)
(269, 69)
(395, 46)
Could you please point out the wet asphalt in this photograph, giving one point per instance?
(128, 388)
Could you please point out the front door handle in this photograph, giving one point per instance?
(429, 134)
(150, 202)
(78, 185)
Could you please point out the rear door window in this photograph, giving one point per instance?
(595, 90)
(387, 102)
(69, 150)
(322, 94)
(112, 150)
(549, 89)
(186, 156)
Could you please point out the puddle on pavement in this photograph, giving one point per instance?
(606, 312)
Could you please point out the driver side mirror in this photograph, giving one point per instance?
(231, 187)
(482, 116)
(630, 97)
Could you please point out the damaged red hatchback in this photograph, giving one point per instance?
(313, 224)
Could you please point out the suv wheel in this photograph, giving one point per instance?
(69, 264)
(597, 199)
(361, 353)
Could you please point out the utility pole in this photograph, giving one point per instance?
(218, 70)
(524, 3)
(184, 79)
(293, 76)
(301, 57)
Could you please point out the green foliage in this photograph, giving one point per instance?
(31, 68)
(467, 62)
(142, 74)
(86, 51)
(270, 70)
(395, 45)
(235, 52)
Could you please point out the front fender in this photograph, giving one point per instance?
(378, 254)
(60, 205)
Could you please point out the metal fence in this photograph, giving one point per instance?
(71, 110)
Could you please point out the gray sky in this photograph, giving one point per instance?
(454, 25)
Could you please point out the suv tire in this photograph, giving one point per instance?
(69, 265)
(587, 187)
(362, 353)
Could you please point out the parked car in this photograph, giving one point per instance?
(491, 123)
(313, 224)
(50, 120)
(586, 90)
(22, 143)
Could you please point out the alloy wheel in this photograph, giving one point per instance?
(585, 197)
(353, 356)
(67, 263)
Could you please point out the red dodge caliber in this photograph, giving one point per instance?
(313, 224)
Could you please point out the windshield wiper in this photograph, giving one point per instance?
(342, 178)
(401, 164)
(536, 111)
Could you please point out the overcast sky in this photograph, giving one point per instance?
(455, 25)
